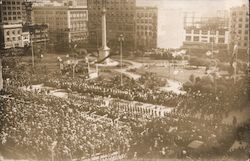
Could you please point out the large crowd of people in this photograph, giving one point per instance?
(36, 125)
(83, 124)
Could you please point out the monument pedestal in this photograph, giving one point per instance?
(103, 54)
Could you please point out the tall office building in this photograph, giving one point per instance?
(146, 27)
(67, 24)
(239, 27)
(120, 20)
(11, 17)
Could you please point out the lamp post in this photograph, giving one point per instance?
(121, 39)
(236, 55)
(32, 50)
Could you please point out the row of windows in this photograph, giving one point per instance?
(145, 33)
(240, 25)
(113, 2)
(9, 3)
(12, 8)
(143, 14)
(12, 18)
(239, 32)
(145, 27)
(14, 32)
(240, 13)
(197, 39)
(145, 21)
(240, 19)
(14, 38)
(112, 14)
(204, 32)
(11, 13)
(114, 8)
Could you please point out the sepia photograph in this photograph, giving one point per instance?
(124, 80)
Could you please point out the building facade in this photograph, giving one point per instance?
(146, 27)
(206, 32)
(11, 15)
(11, 11)
(120, 20)
(76, 2)
(67, 24)
(239, 27)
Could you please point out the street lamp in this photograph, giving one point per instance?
(32, 49)
(121, 39)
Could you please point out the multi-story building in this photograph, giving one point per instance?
(239, 27)
(76, 2)
(11, 35)
(11, 12)
(67, 24)
(120, 17)
(206, 32)
(146, 27)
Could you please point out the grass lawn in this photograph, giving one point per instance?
(166, 72)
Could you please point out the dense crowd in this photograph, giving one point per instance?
(35, 124)
(82, 125)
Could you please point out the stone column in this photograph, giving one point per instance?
(104, 50)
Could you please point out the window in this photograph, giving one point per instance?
(196, 38)
(8, 33)
(239, 32)
(246, 31)
(188, 31)
(204, 32)
(221, 40)
(196, 32)
(188, 38)
(211, 39)
(212, 32)
(246, 26)
(240, 25)
(221, 32)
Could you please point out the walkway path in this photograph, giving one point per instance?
(125, 71)
(173, 86)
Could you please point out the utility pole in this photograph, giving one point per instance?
(1, 74)
(121, 39)
(32, 51)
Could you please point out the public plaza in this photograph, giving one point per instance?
(110, 96)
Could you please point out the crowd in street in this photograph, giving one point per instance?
(38, 124)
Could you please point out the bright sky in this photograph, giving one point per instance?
(170, 16)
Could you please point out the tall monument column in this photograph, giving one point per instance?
(104, 50)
